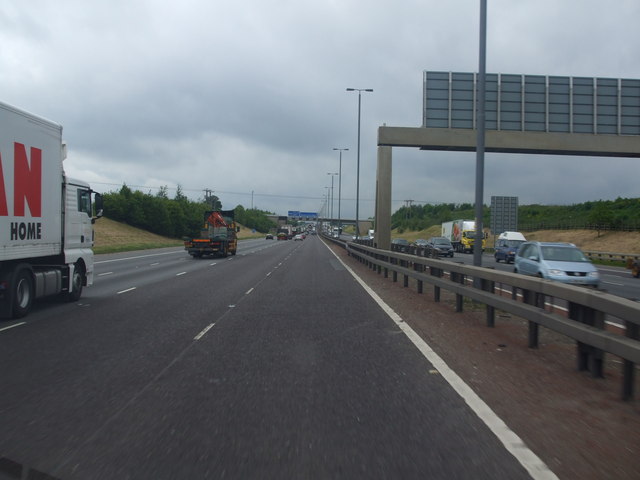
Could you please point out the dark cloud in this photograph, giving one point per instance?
(250, 96)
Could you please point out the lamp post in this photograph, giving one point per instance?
(327, 212)
(359, 90)
(331, 209)
(340, 187)
(324, 205)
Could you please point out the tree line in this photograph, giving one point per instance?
(618, 214)
(173, 217)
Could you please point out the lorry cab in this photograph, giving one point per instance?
(78, 229)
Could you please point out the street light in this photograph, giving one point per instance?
(359, 90)
(340, 187)
(331, 209)
(327, 212)
(324, 204)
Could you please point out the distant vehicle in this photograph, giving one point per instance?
(269, 236)
(441, 245)
(400, 244)
(634, 265)
(507, 246)
(282, 236)
(420, 242)
(462, 235)
(298, 237)
(217, 237)
(287, 230)
(562, 262)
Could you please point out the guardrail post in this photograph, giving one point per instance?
(387, 260)
(458, 278)
(533, 298)
(628, 367)
(489, 286)
(589, 357)
(418, 267)
(436, 272)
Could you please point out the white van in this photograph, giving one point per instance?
(507, 246)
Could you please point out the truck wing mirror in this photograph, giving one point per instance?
(99, 206)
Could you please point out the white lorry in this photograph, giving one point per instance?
(46, 232)
(462, 235)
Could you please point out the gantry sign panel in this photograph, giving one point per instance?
(504, 214)
(533, 103)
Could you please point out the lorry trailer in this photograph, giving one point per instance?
(46, 218)
(462, 235)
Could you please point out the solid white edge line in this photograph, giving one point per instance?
(12, 326)
(511, 441)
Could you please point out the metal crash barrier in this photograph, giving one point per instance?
(584, 322)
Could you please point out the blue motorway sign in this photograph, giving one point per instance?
(304, 215)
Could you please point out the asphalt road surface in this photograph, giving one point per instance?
(274, 363)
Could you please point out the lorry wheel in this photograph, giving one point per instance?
(77, 281)
(22, 293)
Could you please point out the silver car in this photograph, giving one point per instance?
(562, 262)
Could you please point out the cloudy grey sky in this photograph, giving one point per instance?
(247, 98)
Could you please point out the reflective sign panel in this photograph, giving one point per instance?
(534, 103)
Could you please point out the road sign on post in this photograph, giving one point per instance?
(504, 214)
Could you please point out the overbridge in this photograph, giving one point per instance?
(524, 114)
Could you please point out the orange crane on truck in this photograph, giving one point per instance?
(217, 237)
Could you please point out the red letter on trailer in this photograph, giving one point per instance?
(3, 194)
(27, 181)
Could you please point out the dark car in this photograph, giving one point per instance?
(441, 245)
(269, 236)
(400, 245)
(506, 250)
(421, 242)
